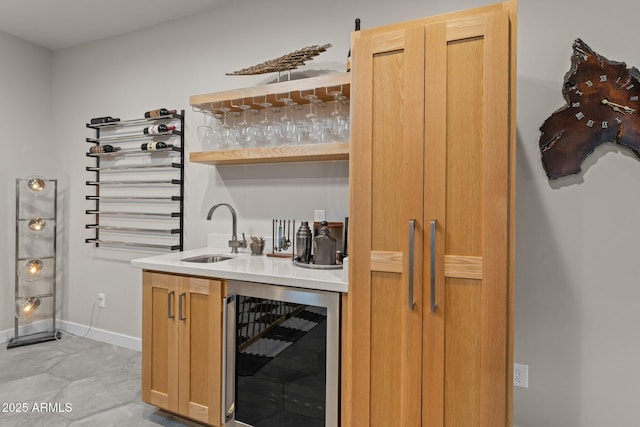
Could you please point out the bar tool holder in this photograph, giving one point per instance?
(282, 244)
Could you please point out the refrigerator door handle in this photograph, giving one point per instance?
(228, 359)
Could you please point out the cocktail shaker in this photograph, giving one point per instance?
(304, 241)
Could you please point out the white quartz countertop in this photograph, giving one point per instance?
(246, 267)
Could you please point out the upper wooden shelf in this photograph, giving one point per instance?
(296, 90)
(321, 86)
(281, 154)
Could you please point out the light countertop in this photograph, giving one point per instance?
(246, 267)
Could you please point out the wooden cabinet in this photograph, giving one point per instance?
(430, 313)
(182, 345)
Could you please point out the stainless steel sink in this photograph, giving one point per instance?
(204, 259)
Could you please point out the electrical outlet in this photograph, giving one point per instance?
(521, 375)
(101, 301)
(318, 215)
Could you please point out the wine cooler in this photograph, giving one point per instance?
(281, 356)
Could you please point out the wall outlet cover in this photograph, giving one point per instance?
(319, 215)
(520, 375)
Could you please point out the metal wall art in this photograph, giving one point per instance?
(287, 62)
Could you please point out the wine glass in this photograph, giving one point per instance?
(205, 132)
(339, 124)
(287, 125)
(245, 131)
(233, 128)
(216, 131)
(344, 102)
(226, 139)
(267, 133)
(314, 124)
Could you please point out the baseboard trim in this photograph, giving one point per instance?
(101, 335)
(96, 334)
(6, 335)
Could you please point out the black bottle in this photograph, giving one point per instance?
(349, 55)
(103, 149)
(104, 119)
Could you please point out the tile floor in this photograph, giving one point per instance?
(84, 383)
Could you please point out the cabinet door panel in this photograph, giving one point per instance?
(431, 141)
(466, 342)
(159, 341)
(182, 345)
(463, 349)
(200, 349)
(387, 183)
(386, 344)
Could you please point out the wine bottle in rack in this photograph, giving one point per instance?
(157, 129)
(103, 149)
(349, 54)
(104, 119)
(154, 145)
(158, 113)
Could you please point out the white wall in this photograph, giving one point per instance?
(576, 275)
(162, 66)
(27, 143)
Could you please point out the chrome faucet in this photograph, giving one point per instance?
(234, 243)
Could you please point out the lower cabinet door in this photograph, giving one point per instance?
(200, 343)
(182, 345)
(159, 340)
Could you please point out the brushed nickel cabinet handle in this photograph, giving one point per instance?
(433, 266)
(170, 298)
(181, 299)
(412, 228)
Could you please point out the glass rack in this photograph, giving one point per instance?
(275, 95)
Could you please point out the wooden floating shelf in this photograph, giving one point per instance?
(321, 86)
(282, 154)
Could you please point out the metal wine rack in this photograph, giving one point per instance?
(138, 198)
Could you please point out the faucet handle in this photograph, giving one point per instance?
(234, 243)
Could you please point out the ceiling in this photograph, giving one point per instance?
(57, 24)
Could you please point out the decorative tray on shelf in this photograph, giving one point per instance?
(287, 62)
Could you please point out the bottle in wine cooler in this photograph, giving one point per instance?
(158, 113)
(154, 145)
(157, 129)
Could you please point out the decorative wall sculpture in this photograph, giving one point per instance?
(602, 105)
